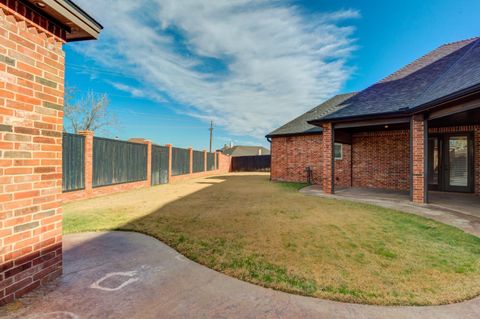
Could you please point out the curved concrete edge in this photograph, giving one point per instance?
(131, 275)
(465, 222)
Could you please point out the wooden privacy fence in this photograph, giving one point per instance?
(258, 163)
(198, 161)
(94, 166)
(116, 162)
(159, 164)
(180, 161)
(73, 158)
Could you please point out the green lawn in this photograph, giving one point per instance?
(269, 234)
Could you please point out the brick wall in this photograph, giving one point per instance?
(31, 99)
(343, 168)
(381, 160)
(291, 155)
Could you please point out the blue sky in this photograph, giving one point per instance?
(171, 66)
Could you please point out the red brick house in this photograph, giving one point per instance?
(416, 130)
(32, 71)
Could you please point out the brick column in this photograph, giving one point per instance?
(328, 160)
(190, 151)
(31, 125)
(88, 160)
(215, 161)
(477, 160)
(149, 163)
(169, 146)
(205, 160)
(418, 161)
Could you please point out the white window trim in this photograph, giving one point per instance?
(341, 152)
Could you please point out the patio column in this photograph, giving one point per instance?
(328, 160)
(419, 159)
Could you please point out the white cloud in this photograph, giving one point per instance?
(138, 92)
(251, 65)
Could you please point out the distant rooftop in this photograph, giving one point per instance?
(240, 150)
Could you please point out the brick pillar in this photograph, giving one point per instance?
(477, 160)
(328, 160)
(88, 160)
(190, 151)
(215, 161)
(149, 163)
(205, 160)
(169, 146)
(31, 125)
(419, 154)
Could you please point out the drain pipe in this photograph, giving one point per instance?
(269, 139)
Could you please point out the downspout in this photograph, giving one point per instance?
(269, 139)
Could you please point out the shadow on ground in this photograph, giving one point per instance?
(151, 280)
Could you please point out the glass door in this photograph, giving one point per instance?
(434, 162)
(459, 162)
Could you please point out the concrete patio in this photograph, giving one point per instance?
(130, 275)
(457, 209)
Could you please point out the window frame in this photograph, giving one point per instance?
(335, 151)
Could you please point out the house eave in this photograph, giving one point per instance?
(400, 115)
(292, 134)
(78, 24)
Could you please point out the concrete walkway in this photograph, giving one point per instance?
(459, 210)
(129, 275)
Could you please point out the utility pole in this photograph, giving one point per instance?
(211, 135)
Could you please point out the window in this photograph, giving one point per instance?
(338, 151)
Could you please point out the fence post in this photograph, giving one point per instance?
(88, 162)
(149, 163)
(205, 159)
(169, 162)
(190, 151)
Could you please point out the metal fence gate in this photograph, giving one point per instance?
(159, 165)
(73, 157)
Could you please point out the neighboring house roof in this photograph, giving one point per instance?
(236, 151)
(450, 69)
(300, 125)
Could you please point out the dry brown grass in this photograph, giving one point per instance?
(269, 234)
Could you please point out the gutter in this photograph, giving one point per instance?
(76, 15)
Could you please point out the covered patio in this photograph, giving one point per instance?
(416, 131)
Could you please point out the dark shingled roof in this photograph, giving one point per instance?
(447, 70)
(300, 125)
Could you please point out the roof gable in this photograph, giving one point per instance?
(446, 70)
